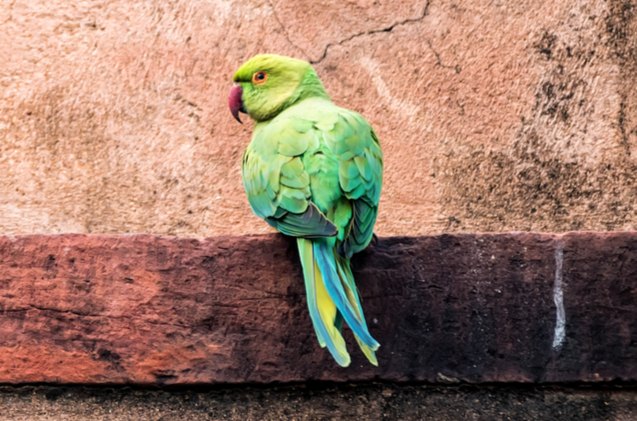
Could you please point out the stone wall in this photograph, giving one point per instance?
(493, 116)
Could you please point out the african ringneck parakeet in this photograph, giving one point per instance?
(313, 171)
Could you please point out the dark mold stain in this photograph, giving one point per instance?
(534, 185)
(50, 262)
(108, 355)
(621, 32)
(113, 359)
(546, 45)
(529, 188)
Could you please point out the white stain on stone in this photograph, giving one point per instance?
(396, 104)
(559, 332)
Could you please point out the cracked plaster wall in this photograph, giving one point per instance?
(493, 115)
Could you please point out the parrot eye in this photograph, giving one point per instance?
(259, 77)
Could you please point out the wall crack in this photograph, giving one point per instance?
(456, 68)
(389, 28)
(285, 31)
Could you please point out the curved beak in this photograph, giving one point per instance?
(235, 103)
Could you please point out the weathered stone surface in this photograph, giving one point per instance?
(161, 310)
(369, 401)
(494, 116)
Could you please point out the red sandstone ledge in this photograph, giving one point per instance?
(519, 307)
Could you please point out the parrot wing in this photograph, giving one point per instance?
(275, 180)
(360, 177)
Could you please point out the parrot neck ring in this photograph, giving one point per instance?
(235, 102)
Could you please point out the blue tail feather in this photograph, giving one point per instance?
(347, 276)
(325, 259)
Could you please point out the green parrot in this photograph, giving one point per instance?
(313, 171)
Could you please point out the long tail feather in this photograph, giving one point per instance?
(321, 307)
(345, 272)
(332, 297)
(325, 258)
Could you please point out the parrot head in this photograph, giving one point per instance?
(267, 84)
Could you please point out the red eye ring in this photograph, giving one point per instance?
(259, 77)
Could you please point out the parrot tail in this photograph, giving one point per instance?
(332, 297)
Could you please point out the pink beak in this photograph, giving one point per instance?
(235, 103)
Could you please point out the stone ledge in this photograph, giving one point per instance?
(96, 309)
